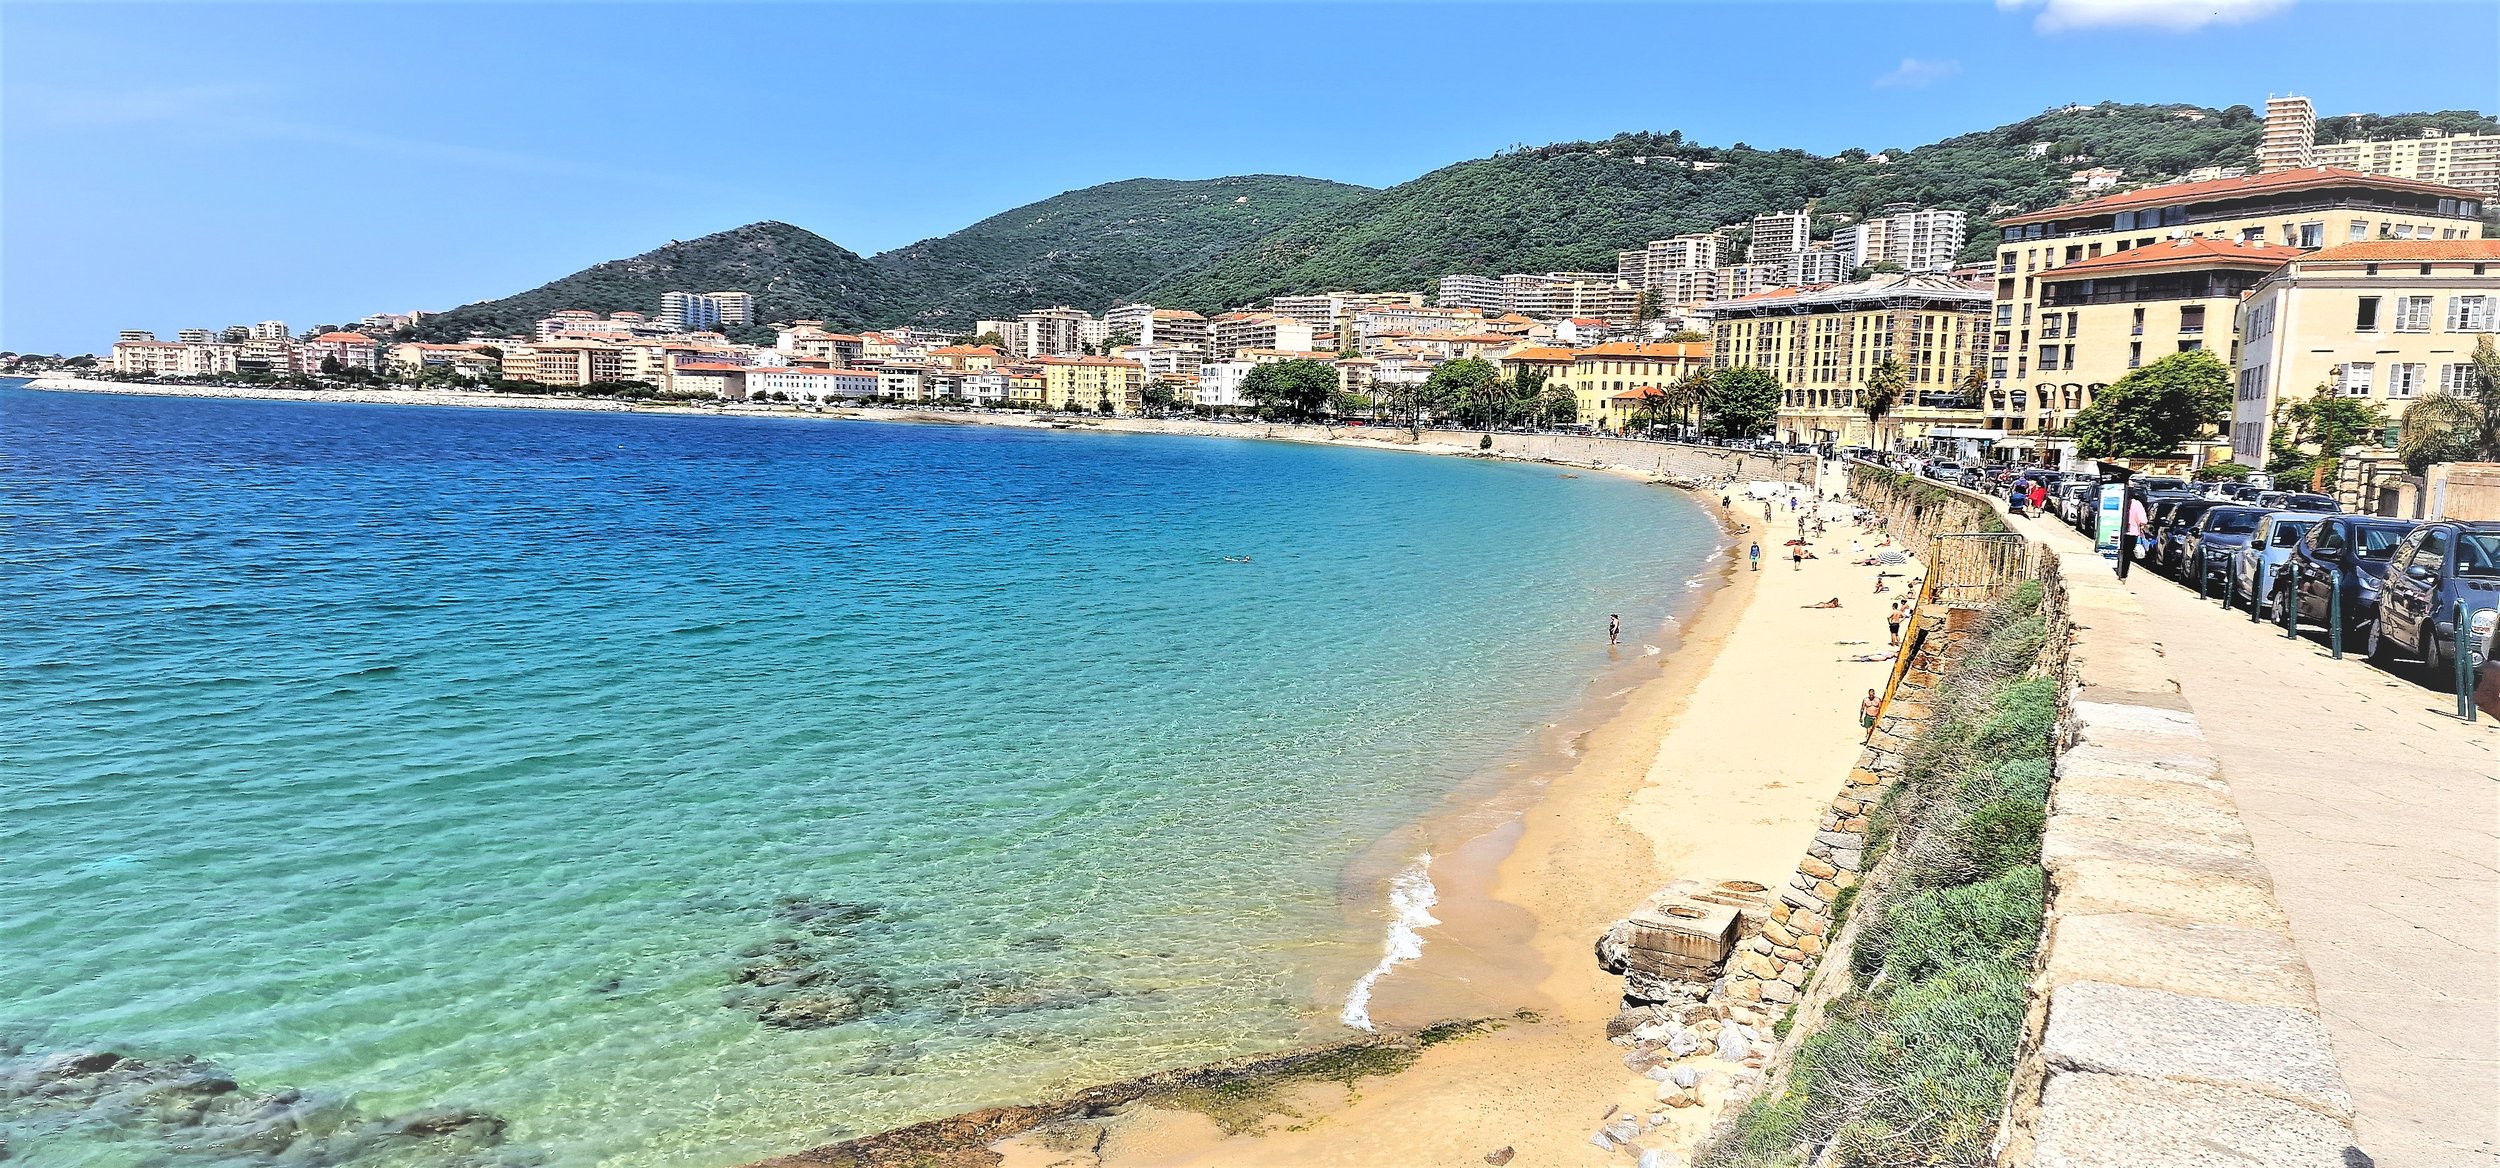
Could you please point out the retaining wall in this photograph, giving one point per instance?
(2171, 1021)
(1657, 459)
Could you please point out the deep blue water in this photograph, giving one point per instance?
(431, 757)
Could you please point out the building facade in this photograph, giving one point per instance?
(1601, 374)
(2291, 136)
(1916, 238)
(1779, 235)
(1824, 346)
(2388, 321)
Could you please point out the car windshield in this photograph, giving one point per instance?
(2234, 522)
(2478, 553)
(2287, 534)
(2377, 543)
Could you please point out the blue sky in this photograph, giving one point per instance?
(205, 165)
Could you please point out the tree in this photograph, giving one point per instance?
(2222, 472)
(1741, 402)
(1473, 387)
(2454, 427)
(1687, 337)
(2311, 436)
(990, 339)
(1884, 388)
(2153, 411)
(1558, 404)
(330, 364)
(1685, 396)
(1159, 395)
(1869, 271)
(1292, 391)
(1645, 306)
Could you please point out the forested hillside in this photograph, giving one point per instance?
(792, 271)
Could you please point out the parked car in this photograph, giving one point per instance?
(2437, 565)
(2303, 501)
(2150, 484)
(2157, 509)
(2207, 550)
(2343, 555)
(1943, 470)
(2073, 496)
(2171, 542)
(2256, 564)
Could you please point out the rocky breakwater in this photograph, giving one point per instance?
(1677, 1026)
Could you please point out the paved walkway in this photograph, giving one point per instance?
(2377, 813)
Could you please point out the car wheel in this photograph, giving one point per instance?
(2433, 672)
(2379, 649)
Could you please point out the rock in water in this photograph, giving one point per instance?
(1500, 1155)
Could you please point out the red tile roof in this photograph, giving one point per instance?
(2412, 250)
(2304, 178)
(2191, 252)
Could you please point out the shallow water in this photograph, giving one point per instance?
(471, 758)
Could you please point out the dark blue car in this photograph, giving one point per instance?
(2219, 534)
(2343, 555)
(2437, 565)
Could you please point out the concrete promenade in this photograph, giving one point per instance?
(2376, 813)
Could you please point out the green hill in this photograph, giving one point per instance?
(792, 271)
(1092, 247)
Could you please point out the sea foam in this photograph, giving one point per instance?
(1411, 897)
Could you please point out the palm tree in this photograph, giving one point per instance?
(1884, 388)
(2454, 427)
(1685, 395)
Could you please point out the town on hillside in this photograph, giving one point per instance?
(2360, 267)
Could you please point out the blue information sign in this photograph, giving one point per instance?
(2113, 518)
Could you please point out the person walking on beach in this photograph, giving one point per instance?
(1754, 555)
(1796, 556)
(1868, 708)
(1899, 607)
(1614, 628)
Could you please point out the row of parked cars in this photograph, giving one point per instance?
(2394, 583)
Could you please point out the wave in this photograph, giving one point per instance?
(1411, 897)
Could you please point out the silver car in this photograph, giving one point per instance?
(2253, 566)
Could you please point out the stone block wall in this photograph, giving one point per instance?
(1918, 510)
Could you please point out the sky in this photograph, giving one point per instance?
(199, 165)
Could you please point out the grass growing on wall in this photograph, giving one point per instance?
(1910, 1065)
(1928, 498)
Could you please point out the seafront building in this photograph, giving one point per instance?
(1823, 345)
(1608, 381)
(2103, 317)
(2382, 320)
(2302, 209)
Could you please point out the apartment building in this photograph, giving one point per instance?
(1234, 331)
(470, 361)
(2291, 137)
(350, 350)
(1657, 262)
(1329, 312)
(1093, 384)
(1042, 332)
(1482, 293)
(1601, 375)
(172, 358)
(734, 308)
(2469, 161)
(2386, 320)
(967, 358)
(807, 340)
(1818, 265)
(1824, 344)
(1779, 235)
(706, 311)
(1739, 280)
(1145, 324)
(2103, 317)
(1560, 295)
(1919, 239)
(271, 330)
(2306, 209)
(808, 385)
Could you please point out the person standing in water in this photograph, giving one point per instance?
(1614, 628)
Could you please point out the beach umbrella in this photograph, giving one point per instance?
(1891, 558)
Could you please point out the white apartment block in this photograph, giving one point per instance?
(1560, 295)
(1779, 235)
(1818, 265)
(1652, 265)
(271, 330)
(1739, 280)
(1043, 332)
(2291, 138)
(1482, 293)
(1219, 383)
(1234, 331)
(1327, 312)
(1921, 240)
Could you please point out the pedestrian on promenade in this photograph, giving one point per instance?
(2018, 499)
(1754, 555)
(1614, 628)
(2130, 531)
(2039, 497)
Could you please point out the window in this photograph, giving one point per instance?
(2139, 322)
(2135, 354)
(1996, 367)
(2052, 325)
(2366, 320)
(2048, 357)
(2433, 554)
(2191, 320)
(2313, 235)
(2190, 346)
(2253, 383)
(2360, 230)
(2356, 378)
(2458, 379)
(2005, 315)
(2413, 314)
(2404, 379)
(2329, 539)
(2468, 314)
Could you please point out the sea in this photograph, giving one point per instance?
(405, 785)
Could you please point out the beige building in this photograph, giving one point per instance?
(2385, 320)
(1234, 331)
(2291, 138)
(2105, 316)
(2470, 161)
(1824, 344)
(2305, 209)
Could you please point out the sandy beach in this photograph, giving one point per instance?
(1717, 767)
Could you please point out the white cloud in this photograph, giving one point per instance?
(1915, 73)
(2167, 15)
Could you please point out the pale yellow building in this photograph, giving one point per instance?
(1092, 384)
(2103, 317)
(2305, 208)
(1825, 344)
(1600, 374)
(2471, 161)
(2388, 321)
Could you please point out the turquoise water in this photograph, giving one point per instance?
(470, 758)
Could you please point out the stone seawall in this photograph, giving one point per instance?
(2171, 1021)
(1918, 510)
